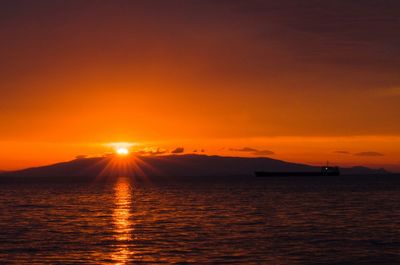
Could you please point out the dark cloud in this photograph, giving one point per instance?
(81, 156)
(178, 150)
(263, 152)
(369, 153)
(244, 149)
(198, 151)
(342, 152)
(252, 151)
(158, 151)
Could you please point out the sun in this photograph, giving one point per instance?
(122, 151)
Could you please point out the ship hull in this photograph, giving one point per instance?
(294, 174)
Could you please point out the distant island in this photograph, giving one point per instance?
(164, 167)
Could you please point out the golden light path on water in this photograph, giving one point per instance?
(122, 221)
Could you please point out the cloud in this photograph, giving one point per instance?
(81, 156)
(244, 149)
(342, 152)
(263, 152)
(252, 151)
(178, 150)
(369, 153)
(152, 152)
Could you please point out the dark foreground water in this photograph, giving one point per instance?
(260, 221)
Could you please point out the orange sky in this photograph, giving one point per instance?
(302, 81)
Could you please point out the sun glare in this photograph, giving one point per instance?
(122, 151)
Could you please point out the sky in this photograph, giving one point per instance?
(304, 81)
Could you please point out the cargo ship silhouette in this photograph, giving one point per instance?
(325, 171)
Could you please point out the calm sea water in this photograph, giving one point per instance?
(259, 221)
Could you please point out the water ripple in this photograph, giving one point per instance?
(268, 222)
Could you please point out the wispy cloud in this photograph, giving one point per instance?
(263, 152)
(153, 152)
(253, 151)
(342, 152)
(244, 149)
(369, 153)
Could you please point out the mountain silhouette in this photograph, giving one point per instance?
(188, 166)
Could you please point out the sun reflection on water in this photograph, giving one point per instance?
(121, 219)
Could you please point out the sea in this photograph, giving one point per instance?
(307, 220)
